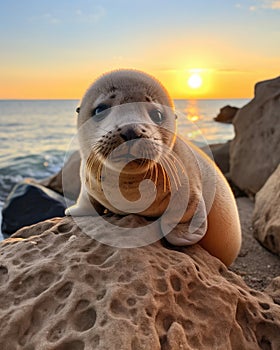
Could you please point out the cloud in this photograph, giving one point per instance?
(95, 16)
(275, 5)
(49, 17)
(233, 70)
(265, 4)
(92, 16)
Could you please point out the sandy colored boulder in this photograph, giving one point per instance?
(67, 180)
(61, 290)
(255, 150)
(226, 114)
(266, 218)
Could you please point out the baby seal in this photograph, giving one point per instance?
(127, 122)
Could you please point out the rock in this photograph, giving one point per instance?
(255, 150)
(237, 192)
(266, 217)
(226, 114)
(61, 290)
(273, 289)
(71, 185)
(29, 203)
(220, 154)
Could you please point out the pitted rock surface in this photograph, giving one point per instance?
(62, 290)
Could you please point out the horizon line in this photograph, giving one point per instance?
(79, 99)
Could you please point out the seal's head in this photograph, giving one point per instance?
(126, 110)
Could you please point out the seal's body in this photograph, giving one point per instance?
(127, 124)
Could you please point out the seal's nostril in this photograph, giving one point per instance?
(128, 134)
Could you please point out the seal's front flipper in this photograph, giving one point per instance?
(85, 206)
(182, 234)
(187, 230)
(77, 210)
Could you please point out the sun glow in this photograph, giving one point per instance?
(195, 81)
(192, 112)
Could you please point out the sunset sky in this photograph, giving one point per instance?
(55, 49)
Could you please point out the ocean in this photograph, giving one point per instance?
(35, 134)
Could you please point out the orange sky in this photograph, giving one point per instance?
(56, 49)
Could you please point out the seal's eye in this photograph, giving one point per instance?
(100, 111)
(156, 116)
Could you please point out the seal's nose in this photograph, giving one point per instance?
(129, 133)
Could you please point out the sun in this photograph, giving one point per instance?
(195, 81)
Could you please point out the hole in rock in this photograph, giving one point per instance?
(264, 306)
(161, 285)
(57, 331)
(95, 341)
(63, 228)
(64, 291)
(175, 283)
(3, 274)
(140, 288)
(82, 304)
(117, 307)
(163, 342)
(71, 345)
(131, 301)
(101, 294)
(89, 279)
(85, 320)
(149, 312)
(267, 316)
(265, 343)
(46, 277)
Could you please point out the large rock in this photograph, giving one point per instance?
(266, 217)
(61, 290)
(29, 203)
(255, 150)
(226, 114)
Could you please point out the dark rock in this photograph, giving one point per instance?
(28, 204)
(220, 154)
(226, 114)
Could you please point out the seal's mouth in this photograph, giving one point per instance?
(135, 151)
(128, 157)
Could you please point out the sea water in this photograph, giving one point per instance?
(35, 134)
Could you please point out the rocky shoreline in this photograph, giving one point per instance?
(62, 290)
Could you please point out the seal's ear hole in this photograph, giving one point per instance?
(176, 116)
(78, 109)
